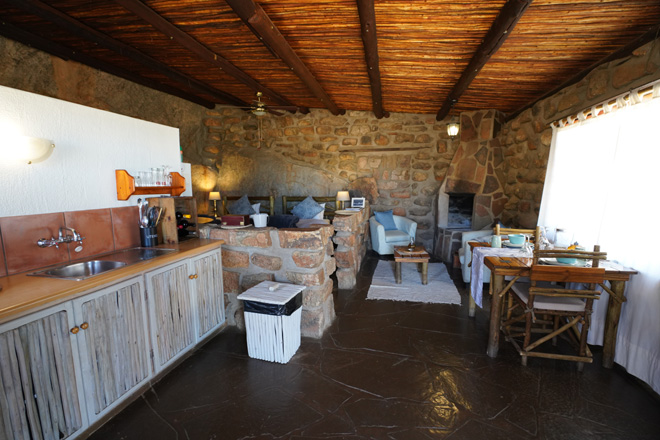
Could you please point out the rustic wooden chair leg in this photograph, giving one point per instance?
(580, 366)
(555, 327)
(523, 360)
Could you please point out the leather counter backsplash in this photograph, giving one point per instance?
(104, 230)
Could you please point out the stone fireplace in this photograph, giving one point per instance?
(471, 196)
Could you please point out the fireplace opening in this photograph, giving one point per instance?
(459, 214)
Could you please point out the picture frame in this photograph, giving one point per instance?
(357, 202)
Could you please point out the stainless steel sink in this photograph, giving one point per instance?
(80, 271)
(137, 254)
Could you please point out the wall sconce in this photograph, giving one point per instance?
(342, 198)
(215, 196)
(31, 150)
(453, 128)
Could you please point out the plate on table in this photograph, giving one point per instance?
(234, 227)
(511, 245)
(554, 262)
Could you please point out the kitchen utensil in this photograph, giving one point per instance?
(160, 212)
(152, 215)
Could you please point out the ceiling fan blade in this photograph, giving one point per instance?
(290, 108)
(276, 113)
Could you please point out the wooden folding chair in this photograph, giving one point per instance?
(551, 307)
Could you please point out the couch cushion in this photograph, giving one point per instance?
(386, 219)
(396, 236)
(308, 208)
(241, 206)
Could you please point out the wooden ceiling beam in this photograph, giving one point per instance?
(258, 21)
(83, 31)
(626, 50)
(501, 28)
(14, 33)
(367, 14)
(157, 21)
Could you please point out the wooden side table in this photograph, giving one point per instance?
(418, 255)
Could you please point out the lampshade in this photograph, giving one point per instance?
(343, 196)
(259, 111)
(32, 150)
(214, 195)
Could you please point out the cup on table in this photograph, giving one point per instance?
(516, 239)
(496, 241)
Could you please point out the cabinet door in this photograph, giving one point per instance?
(207, 281)
(113, 342)
(40, 388)
(171, 311)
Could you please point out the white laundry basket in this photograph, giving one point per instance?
(272, 320)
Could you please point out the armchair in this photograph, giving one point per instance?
(383, 241)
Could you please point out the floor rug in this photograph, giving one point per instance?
(440, 289)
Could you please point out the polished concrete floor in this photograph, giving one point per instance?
(388, 370)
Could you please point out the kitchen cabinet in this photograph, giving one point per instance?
(112, 335)
(126, 186)
(186, 303)
(40, 377)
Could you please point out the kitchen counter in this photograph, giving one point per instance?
(22, 294)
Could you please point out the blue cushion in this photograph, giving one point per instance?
(308, 208)
(386, 219)
(241, 206)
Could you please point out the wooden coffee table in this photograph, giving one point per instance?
(418, 255)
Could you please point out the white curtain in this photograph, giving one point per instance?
(603, 185)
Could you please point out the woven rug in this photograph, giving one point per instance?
(440, 289)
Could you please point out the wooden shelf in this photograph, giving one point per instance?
(126, 186)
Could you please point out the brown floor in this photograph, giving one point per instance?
(389, 370)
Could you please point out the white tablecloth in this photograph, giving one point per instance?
(478, 254)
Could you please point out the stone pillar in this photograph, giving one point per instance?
(351, 240)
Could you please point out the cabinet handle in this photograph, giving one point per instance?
(84, 326)
(195, 276)
(75, 330)
(191, 276)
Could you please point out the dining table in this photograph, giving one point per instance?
(514, 263)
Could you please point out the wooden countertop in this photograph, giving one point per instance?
(22, 294)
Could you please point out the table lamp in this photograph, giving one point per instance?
(342, 198)
(215, 196)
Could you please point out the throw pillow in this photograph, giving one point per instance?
(241, 206)
(386, 219)
(319, 216)
(308, 208)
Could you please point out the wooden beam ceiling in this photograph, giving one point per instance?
(499, 31)
(72, 25)
(370, 41)
(261, 25)
(66, 54)
(150, 16)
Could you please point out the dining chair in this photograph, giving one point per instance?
(555, 303)
(535, 233)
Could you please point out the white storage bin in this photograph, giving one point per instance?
(272, 320)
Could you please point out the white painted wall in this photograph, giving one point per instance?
(89, 145)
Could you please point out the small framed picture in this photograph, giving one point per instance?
(357, 202)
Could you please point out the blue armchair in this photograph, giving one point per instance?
(383, 241)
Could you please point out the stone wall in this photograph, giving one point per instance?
(395, 163)
(297, 256)
(526, 139)
(351, 238)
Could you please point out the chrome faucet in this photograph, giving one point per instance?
(63, 237)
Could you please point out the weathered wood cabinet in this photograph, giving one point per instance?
(113, 341)
(185, 304)
(64, 368)
(40, 377)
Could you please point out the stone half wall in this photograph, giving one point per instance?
(297, 256)
(352, 239)
(526, 139)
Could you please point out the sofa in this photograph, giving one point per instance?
(465, 254)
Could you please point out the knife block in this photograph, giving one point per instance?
(167, 227)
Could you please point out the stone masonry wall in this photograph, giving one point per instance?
(297, 256)
(351, 238)
(395, 163)
(526, 139)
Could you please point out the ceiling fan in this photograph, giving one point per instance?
(260, 108)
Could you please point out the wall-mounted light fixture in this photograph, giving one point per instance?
(453, 128)
(30, 149)
(215, 196)
(342, 198)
